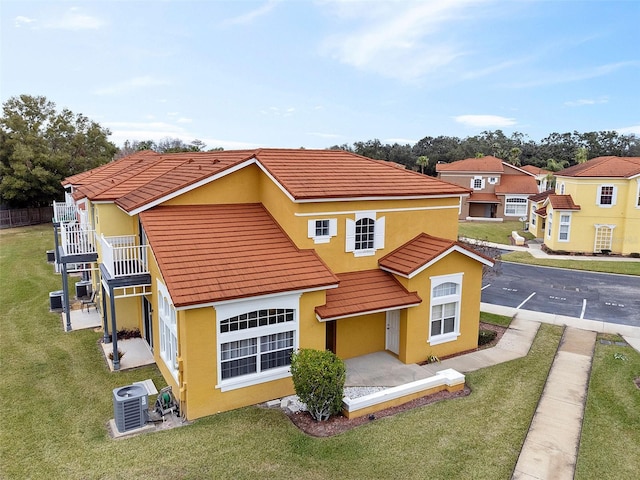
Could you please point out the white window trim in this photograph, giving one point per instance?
(562, 188)
(311, 230)
(638, 194)
(549, 224)
(533, 215)
(435, 282)
(166, 314)
(378, 232)
(598, 226)
(473, 182)
(519, 203)
(561, 224)
(228, 310)
(493, 180)
(614, 196)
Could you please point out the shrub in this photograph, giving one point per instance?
(318, 378)
(486, 336)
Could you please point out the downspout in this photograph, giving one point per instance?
(65, 290)
(114, 330)
(105, 320)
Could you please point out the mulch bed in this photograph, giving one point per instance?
(339, 424)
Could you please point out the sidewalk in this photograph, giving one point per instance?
(550, 449)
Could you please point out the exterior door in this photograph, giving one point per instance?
(393, 331)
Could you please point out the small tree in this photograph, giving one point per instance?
(318, 378)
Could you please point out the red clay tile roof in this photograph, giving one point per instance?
(610, 167)
(483, 198)
(482, 164)
(538, 197)
(209, 253)
(145, 177)
(542, 212)
(535, 170)
(328, 174)
(365, 292)
(422, 250)
(562, 202)
(517, 184)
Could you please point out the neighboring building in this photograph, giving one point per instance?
(544, 178)
(229, 261)
(595, 208)
(499, 190)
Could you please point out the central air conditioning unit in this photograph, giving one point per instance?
(83, 289)
(55, 301)
(130, 407)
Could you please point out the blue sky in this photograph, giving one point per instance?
(319, 73)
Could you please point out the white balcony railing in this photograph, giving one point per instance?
(64, 212)
(123, 257)
(77, 239)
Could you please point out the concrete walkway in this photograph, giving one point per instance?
(551, 447)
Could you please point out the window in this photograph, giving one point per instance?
(322, 230)
(444, 324)
(168, 323)
(638, 196)
(533, 215)
(477, 183)
(562, 189)
(365, 234)
(493, 180)
(565, 224)
(255, 344)
(604, 238)
(549, 224)
(515, 206)
(606, 195)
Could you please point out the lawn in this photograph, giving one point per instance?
(496, 232)
(57, 400)
(610, 447)
(626, 268)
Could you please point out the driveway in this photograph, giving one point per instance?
(574, 293)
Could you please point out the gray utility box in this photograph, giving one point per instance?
(55, 300)
(51, 256)
(130, 407)
(83, 289)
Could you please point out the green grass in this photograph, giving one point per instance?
(626, 268)
(56, 396)
(495, 319)
(610, 446)
(496, 232)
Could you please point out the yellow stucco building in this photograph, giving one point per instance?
(595, 208)
(227, 262)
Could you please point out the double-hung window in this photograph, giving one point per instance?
(477, 182)
(365, 234)
(564, 227)
(168, 322)
(606, 195)
(444, 322)
(256, 341)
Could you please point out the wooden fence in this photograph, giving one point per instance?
(21, 217)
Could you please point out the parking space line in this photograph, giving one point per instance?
(486, 286)
(584, 307)
(527, 299)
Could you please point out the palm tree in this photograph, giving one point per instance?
(422, 161)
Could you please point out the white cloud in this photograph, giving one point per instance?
(400, 141)
(21, 21)
(485, 120)
(634, 129)
(184, 120)
(249, 17)
(586, 101)
(398, 39)
(557, 77)
(131, 84)
(278, 112)
(74, 19)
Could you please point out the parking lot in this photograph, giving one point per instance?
(588, 295)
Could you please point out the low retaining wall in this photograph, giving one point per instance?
(448, 379)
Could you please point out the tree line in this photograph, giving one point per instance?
(40, 147)
(556, 151)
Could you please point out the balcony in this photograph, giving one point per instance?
(77, 239)
(123, 257)
(64, 212)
